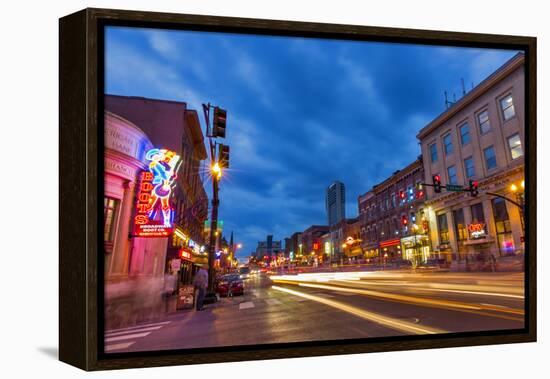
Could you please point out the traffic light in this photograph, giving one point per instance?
(473, 187)
(404, 220)
(223, 156)
(220, 118)
(437, 183)
(402, 195)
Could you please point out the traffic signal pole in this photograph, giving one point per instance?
(213, 236)
(217, 130)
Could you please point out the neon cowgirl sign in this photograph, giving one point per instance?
(154, 192)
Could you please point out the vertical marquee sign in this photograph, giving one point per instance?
(154, 215)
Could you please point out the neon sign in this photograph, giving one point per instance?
(477, 230)
(155, 188)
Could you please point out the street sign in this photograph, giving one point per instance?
(454, 187)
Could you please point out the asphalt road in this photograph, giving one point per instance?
(310, 307)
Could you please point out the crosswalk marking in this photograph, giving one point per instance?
(114, 337)
(119, 346)
(272, 301)
(246, 305)
(127, 337)
(138, 327)
(151, 328)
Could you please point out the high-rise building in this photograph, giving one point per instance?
(336, 203)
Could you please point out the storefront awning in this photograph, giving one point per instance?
(392, 242)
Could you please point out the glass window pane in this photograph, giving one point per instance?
(469, 167)
(514, 143)
(452, 174)
(490, 158)
(433, 152)
(507, 106)
(483, 119)
(447, 142)
(465, 134)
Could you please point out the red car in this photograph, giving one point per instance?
(230, 285)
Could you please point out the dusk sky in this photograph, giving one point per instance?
(301, 113)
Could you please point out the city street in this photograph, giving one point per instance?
(332, 306)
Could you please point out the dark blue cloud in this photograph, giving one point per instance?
(301, 112)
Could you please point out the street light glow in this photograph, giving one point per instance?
(513, 187)
(216, 169)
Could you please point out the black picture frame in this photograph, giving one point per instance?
(81, 185)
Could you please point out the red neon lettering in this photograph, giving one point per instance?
(146, 187)
(141, 219)
(144, 197)
(147, 176)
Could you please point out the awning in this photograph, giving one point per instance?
(392, 242)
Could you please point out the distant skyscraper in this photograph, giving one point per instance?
(336, 203)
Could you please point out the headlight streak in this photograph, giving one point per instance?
(443, 304)
(449, 288)
(400, 325)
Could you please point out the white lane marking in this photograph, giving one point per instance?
(246, 305)
(127, 337)
(119, 346)
(109, 334)
(390, 322)
(272, 301)
(138, 327)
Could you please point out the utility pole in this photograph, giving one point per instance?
(217, 130)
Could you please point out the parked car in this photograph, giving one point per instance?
(230, 285)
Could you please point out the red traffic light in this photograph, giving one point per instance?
(401, 195)
(404, 220)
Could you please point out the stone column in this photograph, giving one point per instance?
(452, 233)
(515, 224)
(121, 249)
(490, 224)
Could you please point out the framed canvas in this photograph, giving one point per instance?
(242, 189)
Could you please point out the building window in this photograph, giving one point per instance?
(433, 152)
(465, 134)
(469, 167)
(460, 225)
(507, 107)
(490, 157)
(448, 144)
(110, 207)
(451, 172)
(514, 143)
(478, 217)
(483, 120)
(443, 228)
(502, 224)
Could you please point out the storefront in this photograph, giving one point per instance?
(390, 250)
(416, 249)
(125, 148)
(190, 254)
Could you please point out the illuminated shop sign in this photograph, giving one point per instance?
(184, 254)
(154, 213)
(477, 230)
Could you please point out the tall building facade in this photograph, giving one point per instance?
(268, 248)
(393, 218)
(335, 203)
(480, 138)
(166, 125)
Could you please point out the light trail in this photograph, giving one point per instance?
(453, 288)
(476, 308)
(390, 322)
